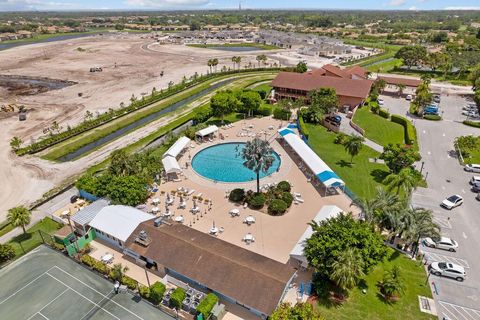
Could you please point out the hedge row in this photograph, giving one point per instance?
(433, 117)
(116, 113)
(303, 128)
(475, 124)
(408, 127)
(105, 270)
(383, 113)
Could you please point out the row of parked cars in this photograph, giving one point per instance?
(475, 180)
(471, 111)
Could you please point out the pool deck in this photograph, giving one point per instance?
(275, 236)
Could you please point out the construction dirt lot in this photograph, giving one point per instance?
(131, 64)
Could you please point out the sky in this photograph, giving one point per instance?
(67, 5)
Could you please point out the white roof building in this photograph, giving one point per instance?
(208, 130)
(118, 222)
(325, 213)
(177, 147)
(170, 164)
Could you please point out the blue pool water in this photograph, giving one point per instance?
(223, 163)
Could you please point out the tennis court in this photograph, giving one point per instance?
(47, 285)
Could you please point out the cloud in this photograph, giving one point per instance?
(413, 8)
(21, 5)
(166, 3)
(396, 3)
(462, 8)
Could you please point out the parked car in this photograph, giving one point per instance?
(448, 269)
(409, 97)
(335, 119)
(470, 108)
(469, 113)
(474, 180)
(380, 102)
(476, 188)
(436, 98)
(452, 202)
(472, 168)
(444, 243)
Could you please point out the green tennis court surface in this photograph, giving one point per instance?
(47, 285)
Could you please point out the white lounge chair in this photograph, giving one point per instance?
(190, 192)
(299, 200)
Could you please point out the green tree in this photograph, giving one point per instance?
(118, 271)
(19, 217)
(423, 96)
(16, 143)
(258, 156)
(215, 63)
(301, 67)
(157, 290)
(379, 85)
(300, 311)
(353, 146)
(347, 269)
(251, 101)
(7, 252)
(398, 157)
(210, 64)
(392, 283)
(405, 179)
(223, 103)
(412, 55)
(127, 190)
(335, 235)
(322, 101)
(418, 223)
(400, 88)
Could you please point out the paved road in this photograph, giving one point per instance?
(446, 177)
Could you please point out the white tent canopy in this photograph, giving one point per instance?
(177, 147)
(170, 164)
(325, 213)
(208, 130)
(311, 159)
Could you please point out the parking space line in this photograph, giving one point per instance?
(443, 222)
(455, 310)
(432, 256)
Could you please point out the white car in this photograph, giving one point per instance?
(452, 202)
(380, 102)
(409, 97)
(448, 269)
(444, 243)
(472, 168)
(475, 180)
(470, 113)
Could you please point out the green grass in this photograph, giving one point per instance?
(371, 306)
(226, 45)
(32, 238)
(264, 86)
(385, 66)
(363, 176)
(5, 227)
(378, 129)
(474, 154)
(70, 145)
(39, 37)
(389, 52)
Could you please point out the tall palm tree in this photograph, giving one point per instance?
(400, 88)
(418, 223)
(258, 156)
(369, 209)
(234, 60)
(405, 179)
(210, 64)
(215, 63)
(19, 217)
(347, 269)
(353, 146)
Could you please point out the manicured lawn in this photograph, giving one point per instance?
(378, 129)
(32, 238)
(363, 176)
(371, 306)
(264, 86)
(474, 154)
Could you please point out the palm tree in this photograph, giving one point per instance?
(404, 179)
(19, 217)
(215, 63)
(400, 88)
(234, 60)
(258, 156)
(369, 209)
(210, 64)
(353, 146)
(118, 271)
(15, 143)
(418, 223)
(347, 269)
(392, 283)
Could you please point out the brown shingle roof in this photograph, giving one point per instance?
(310, 81)
(336, 70)
(406, 81)
(357, 70)
(251, 279)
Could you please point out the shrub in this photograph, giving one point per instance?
(7, 252)
(264, 110)
(237, 195)
(129, 282)
(207, 304)
(287, 197)
(433, 117)
(257, 201)
(101, 267)
(408, 127)
(413, 109)
(263, 93)
(177, 297)
(284, 186)
(281, 114)
(383, 113)
(475, 124)
(143, 291)
(374, 107)
(277, 207)
(303, 128)
(58, 246)
(340, 138)
(157, 290)
(87, 260)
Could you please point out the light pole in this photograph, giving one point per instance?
(421, 168)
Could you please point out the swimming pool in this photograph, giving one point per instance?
(223, 163)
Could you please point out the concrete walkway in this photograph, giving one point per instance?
(347, 129)
(43, 211)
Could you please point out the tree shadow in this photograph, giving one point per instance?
(362, 284)
(394, 255)
(22, 237)
(343, 163)
(382, 298)
(379, 175)
(329, 296)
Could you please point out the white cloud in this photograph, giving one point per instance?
(6, 5)
(462, 8)
(166, 3)
(397, 3)
(413, 8)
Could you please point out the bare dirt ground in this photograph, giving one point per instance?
(131, 65)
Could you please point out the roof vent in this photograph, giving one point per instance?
(143, 238)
